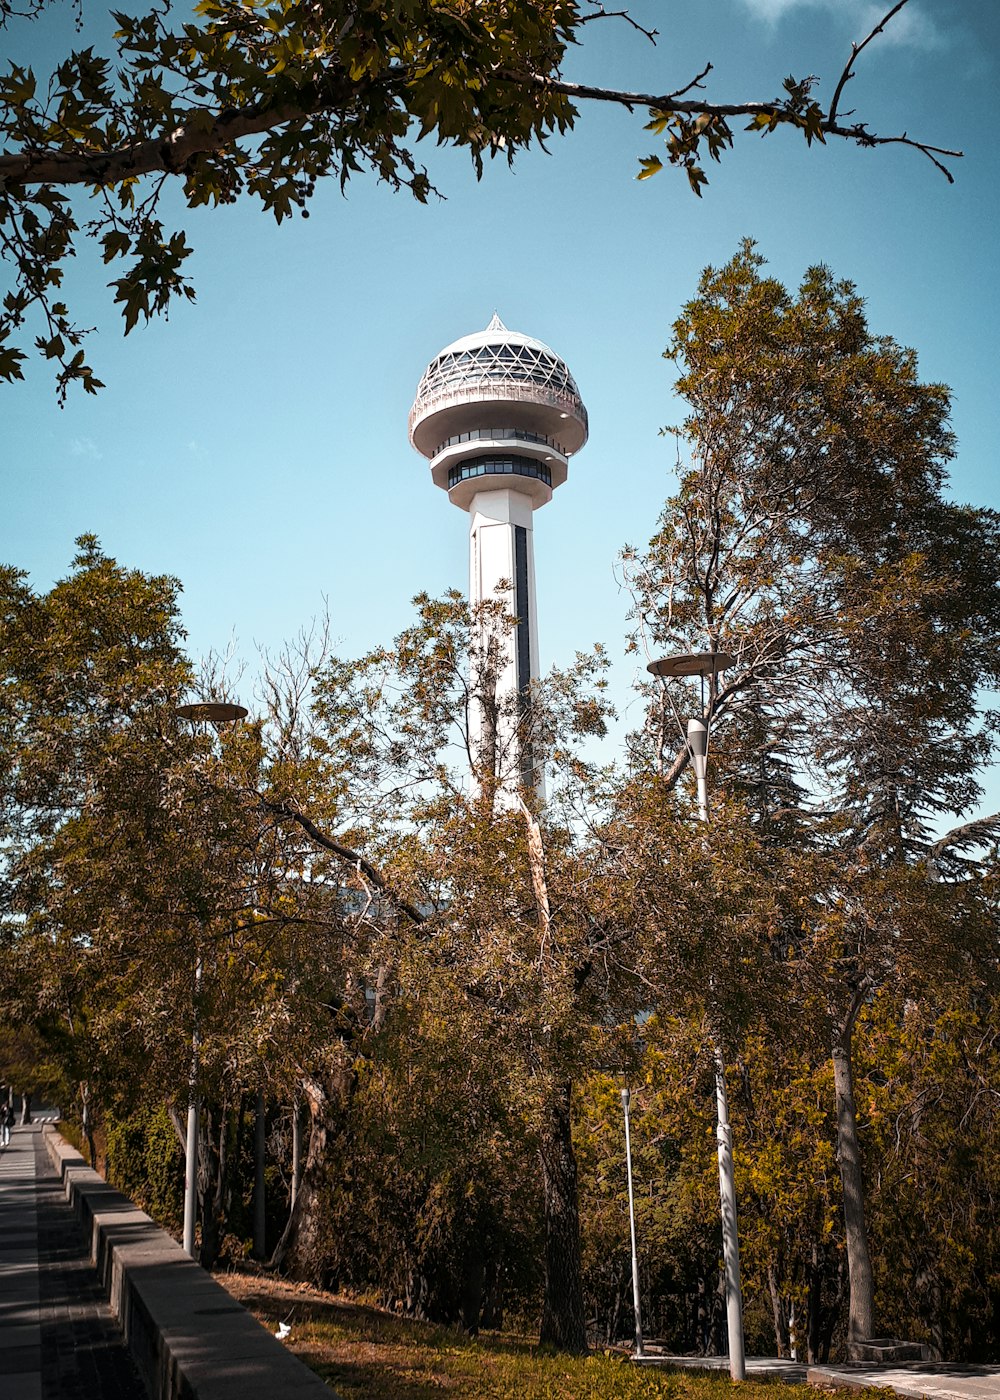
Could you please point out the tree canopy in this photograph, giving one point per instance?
(262, 100)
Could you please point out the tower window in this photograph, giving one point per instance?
(499, 434)
(498, 466)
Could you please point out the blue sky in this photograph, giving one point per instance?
(255, 445)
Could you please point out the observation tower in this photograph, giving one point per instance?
(498, 415)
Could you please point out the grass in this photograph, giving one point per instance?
(366, 1353)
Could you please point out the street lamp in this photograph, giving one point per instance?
(626, 1099)
(207, 713)
(709, 665)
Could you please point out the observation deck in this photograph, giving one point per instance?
(498, 409)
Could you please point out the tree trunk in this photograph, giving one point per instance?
(563, 1320)
(700, 1319)
(221, 1193)
(861, 1315)
(815, 1304)
(296, 1152)
(492, 1311)
(297, 1253)
(259, 1203)
(778, 1308)
(208, 1180)
(719, 1338)
(473, 1285)
(25, 1109)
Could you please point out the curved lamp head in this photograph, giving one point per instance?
(214, 713)
(691, 663)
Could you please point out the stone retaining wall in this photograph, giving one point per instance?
(190, 1340)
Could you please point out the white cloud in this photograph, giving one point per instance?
(85, 447)
(910, 27)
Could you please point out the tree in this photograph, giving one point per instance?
(811, 538)
(498, 911)
(130, 855)
(264, 101)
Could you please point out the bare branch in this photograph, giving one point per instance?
(848, 73)
(695, 82)
(601, 13)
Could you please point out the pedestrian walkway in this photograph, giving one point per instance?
(58, 1340)
(917, 1380)
(935, 1380)
(758, 1367)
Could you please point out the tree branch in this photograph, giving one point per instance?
(972, 833)
(195, 135)
(171, 152)
(601, 13)
(669, 104)
(286, 811)
(848, 73)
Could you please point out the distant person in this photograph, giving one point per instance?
(6, 1122)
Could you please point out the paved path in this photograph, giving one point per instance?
(935, 1380)
(758, 1367)
(58, 1340)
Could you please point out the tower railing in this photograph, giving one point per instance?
(499, 435)
(508, 390)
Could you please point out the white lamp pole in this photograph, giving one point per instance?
(194, 1105)
(697, 739)
(670, 667)
(626, 1099)
(213, 714)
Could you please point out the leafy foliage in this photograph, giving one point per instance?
(262, 100)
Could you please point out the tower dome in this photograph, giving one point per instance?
(495, 393)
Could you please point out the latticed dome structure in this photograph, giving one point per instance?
(493, 404)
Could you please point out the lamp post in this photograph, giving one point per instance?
(708, 665)
(626, 1099)
(205, 714)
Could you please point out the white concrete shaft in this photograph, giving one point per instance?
(496, 518)
(730, 1236)
(191, 1141)
(636, 1291)
(727, 1185)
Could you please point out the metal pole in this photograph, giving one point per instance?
(697, 738)
(730, 1237)
(698, 744)
(259, 1202)
(191, 1163)
(626, 1097)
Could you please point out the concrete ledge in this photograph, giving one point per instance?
(190, 1340)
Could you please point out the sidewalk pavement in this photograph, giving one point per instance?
(935, 1380)
(758, 1367)
(58, 1340)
